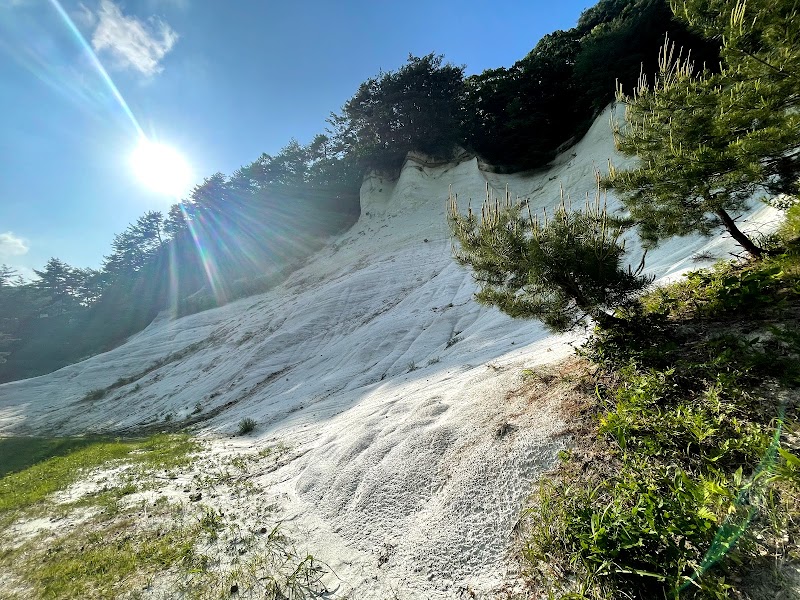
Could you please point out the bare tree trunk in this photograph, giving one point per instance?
(741, 239)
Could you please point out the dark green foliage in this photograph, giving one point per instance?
(246, 425)
(520, 117)
(413, 108)
(136, 246)
(691, 478)
(559, 270)
(632, 532)
(616, 50)
(761, 57)
(517, 117)
(709, 141)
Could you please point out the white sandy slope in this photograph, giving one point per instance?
(388, 382)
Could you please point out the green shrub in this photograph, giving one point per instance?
(560, 270)
(790, 228)
(246, 425)
(686, 483)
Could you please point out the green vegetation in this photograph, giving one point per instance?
(413, 108)
(23, 489)
(559, 270)
(97, 564)
(247, 425)
(790, 228)
(108, 542)
(688, 482)
(709, 141)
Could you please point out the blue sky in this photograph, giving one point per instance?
(220, 81)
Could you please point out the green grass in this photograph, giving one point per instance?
(247, 425)
(22, 452)
(105, 563)
(22, 489)
(122, 549)
(790, 228)
(690, 482)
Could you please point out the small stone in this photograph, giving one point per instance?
(195, 497)
(234, 589)
(263, 530)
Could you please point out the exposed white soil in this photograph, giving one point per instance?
(409, 459)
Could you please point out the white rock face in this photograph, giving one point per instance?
(375, 365)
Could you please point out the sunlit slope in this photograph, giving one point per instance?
(374, 364)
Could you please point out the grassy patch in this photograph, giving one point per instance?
(108, 562)
(25, 488)
(688, 482)
(107, 544)
(22, 452)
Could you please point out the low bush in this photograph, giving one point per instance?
(690, 480)
(247, 425)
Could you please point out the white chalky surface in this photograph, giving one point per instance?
(375, 366)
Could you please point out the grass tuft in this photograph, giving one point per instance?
(247, 425)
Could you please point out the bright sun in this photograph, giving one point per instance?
(161, 168)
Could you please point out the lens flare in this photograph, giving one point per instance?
(161, 168)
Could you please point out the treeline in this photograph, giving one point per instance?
(231, 237)
(238, 234)
(515, 118)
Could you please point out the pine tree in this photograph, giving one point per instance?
(58, 281)
(559, 270)
(136, 246)
(7, 305)
(413, 108)
(761, 53)
(709, 142)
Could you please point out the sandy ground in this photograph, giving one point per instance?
(383, 377)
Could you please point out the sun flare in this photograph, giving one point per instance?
(161, 168)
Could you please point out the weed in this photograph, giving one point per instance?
(790, 228)
(453, 340)
(246, 425)
(211, 521)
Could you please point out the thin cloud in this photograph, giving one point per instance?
(84, 17)
(133, 44)
(12, 245)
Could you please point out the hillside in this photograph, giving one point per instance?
(394, 392)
